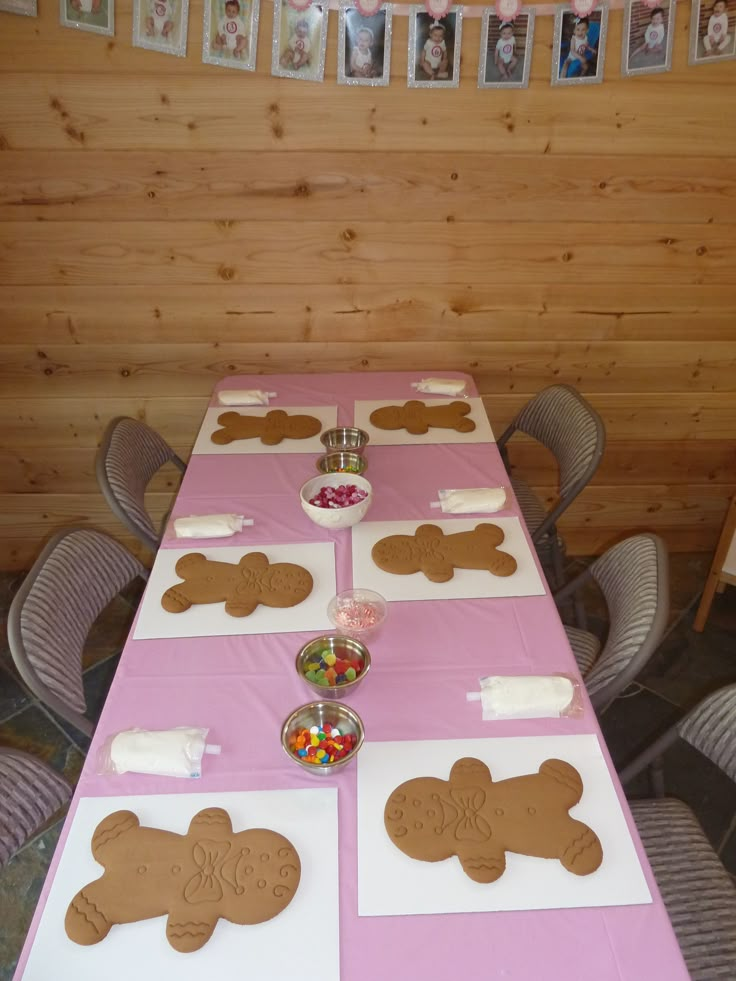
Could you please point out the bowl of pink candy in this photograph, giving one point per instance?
(336, 500)
(357, 613)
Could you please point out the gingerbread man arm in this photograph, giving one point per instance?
(567, 780)
(109, 831)
(254, 562)
(469, 772)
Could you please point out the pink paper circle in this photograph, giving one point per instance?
(583, 7)
(368, 7)
(437, 8)
(300, 4)
(651, 3)
(508, 10)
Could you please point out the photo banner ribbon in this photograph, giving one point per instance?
(437, 8)
(300, 5)
(508, 10)
(583, 8)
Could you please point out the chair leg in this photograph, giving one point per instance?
(656, 777)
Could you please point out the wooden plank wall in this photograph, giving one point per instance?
(165, 222)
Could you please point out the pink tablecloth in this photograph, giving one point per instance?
(243, 688)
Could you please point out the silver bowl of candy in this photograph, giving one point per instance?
(345, 438)
(322, 736)
(357, 613)
(342, 461)
(335, 500)
(333, 665)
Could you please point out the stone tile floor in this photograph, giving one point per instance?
(686, 666)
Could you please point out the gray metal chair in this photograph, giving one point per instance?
(129, 456)
(31, 794)
(74, 578)
(560, 419)
(634, 579)
(698, 892)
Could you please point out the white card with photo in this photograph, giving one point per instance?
(465, 583)
(211, 620)
(579, 46)
(399, 437)
(26, 8)
(647, 37)
(435, 44)
(712, 31)
(364, 46)
(161, 25)
(327, 415)
(528, 883)
(299, 41)
(506, 49)
(230, 33)
(281, 949)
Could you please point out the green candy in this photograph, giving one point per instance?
(350, 674)
(311, 675)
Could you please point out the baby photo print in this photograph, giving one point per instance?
(364, 47)
(434, 48)
(579, 47)
(299, 38)
(97, 16)
(161, 25)
(230, 33)
(712, 31)
(27, 8)
(505, 51)
(647, 38)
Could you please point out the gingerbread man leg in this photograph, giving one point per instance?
(190, 927)
(484, 862)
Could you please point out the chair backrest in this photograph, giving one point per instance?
(130, 454)
(76, 575)
(634, 579)
(30, 794)
(561, 419)
(710, 728)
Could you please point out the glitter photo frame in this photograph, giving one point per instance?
(488, 73)
(221, 46)
(353, 66)
(420, 26)
(150, 26)
(293, 32)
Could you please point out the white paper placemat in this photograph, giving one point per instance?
(327, 415)
(465, 584)
(527, 883)
(282, 949)
(210, 620)
(395, 437)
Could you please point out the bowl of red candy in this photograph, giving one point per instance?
(336, 500)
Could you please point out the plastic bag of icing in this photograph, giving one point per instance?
(244, 396)
(441, 386)
(163, 752)
(553, 696)
(472, 500)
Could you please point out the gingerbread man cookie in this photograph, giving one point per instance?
(437, 555)
(479, 821)
(272, 428)
(241, 587)
(196, 878)
(418, 418)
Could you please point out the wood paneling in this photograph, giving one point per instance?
(164, 223)
(266, 186)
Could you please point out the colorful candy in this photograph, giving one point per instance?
(327, 669)
(321, 744)
(343, 496)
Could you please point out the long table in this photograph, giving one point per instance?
(424, 661)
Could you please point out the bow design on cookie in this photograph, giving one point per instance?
(206, 885)
(472, 826)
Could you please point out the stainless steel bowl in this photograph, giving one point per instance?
(345, 438)
(340, 646)
(342, 461)
(315, 714)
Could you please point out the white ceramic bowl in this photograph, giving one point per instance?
(334, 518)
